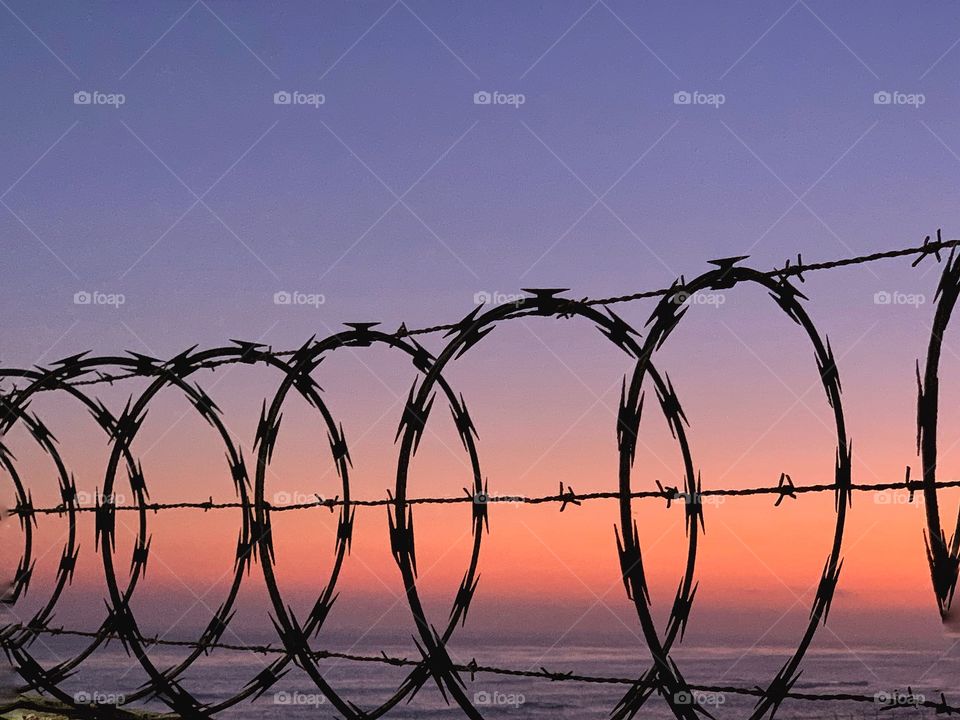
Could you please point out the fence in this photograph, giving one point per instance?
(75, 376)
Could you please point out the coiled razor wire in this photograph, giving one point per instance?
(73, 375)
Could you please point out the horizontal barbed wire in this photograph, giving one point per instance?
(788, 269)
(564, 497)
(473, 668)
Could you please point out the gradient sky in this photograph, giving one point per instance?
(399, 199)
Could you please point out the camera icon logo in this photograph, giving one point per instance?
(482, 297)
(482, 698)
(882, 97)
(282, 297)
(282, 97)
(82, 97)
(482, 97)
(82, 298)
(682, 97)
(882, 298)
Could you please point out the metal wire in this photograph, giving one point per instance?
(567, 496)
(77, 375)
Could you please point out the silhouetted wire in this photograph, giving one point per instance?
(255, 538)
(473, 668)
(788, 269)
(568, 497)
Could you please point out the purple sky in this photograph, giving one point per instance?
(398, 198)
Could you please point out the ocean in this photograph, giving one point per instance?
(859, 670)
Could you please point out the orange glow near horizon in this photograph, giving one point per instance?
(747, 426)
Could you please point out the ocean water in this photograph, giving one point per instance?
(860, 670)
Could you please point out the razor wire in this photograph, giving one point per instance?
(78, 375)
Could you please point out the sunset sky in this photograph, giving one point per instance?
(197, 198)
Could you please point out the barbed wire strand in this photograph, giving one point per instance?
(568, 497)
(473, 668)
(788, 269)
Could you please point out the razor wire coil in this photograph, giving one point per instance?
(78, 374)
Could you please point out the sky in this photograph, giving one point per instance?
(158, 191)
